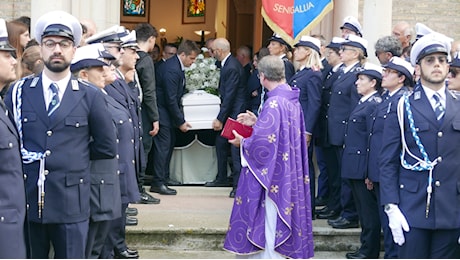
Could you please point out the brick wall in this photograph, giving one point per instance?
(12, 9)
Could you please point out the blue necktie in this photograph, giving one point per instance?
(438, 108)
(54, 103)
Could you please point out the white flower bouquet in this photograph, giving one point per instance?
(203, 74)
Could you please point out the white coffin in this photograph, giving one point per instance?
(200, 109)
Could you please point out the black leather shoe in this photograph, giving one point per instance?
(125, 255)
(131, 221)
(132, 251)
(345, 223)
(232, 193)
(356, 255)
(331, 214)
(131, 211)
(173, 183)
(147, 199)
(163, 189)
(216, 183)
(322, 210)
(320, 201)
(332, 220)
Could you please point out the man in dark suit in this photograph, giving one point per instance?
(170, 91)
(419, 166)
(232, 96)
(63, 124)
(146, 35)
(13, 202)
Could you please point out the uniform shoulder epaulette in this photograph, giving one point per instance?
(455, 94)
(86, 84)
(376, 99)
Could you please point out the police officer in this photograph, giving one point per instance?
(279, 47)
(354, 161)
(420, 170)
(63, 124)
(396, 81)
(13, 202)
(89, 66)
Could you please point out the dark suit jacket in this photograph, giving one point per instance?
(344, 98)
(80, 118)
(321, 134)
(252, 86)
(127, 97)
(231, 89)
(376, 125)
(12, 192)
(409, 188)
(289, 69)
(170, 90)
(146, 71)
(354, 159)
(309, 83)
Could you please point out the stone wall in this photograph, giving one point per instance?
(12, 9)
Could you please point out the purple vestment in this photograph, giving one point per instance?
(276, 154)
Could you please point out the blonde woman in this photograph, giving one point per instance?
(308, 80)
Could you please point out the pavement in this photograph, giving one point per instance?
(199, 209)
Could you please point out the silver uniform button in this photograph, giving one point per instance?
(77, 125)
(439, 159)
(417, 129)
(354, 120)
(47, 152)
(49, 133)
(439, 134)
(25, 176)
(46, 172)
(102, 181)
(118, 141)
(132, 141)
(358, 152)
(437, 183)
(118, 156)
(26, 120)
(81, 180)
(401, 186)
(10, 145)
(130, 120)
(2, 219)
(118, 172)
(121, 122)
(134, 162)
(340, 92)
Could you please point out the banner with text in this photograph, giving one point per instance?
(293, 18)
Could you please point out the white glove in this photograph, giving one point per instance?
(397, 223)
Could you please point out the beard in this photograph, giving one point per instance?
(56, 66)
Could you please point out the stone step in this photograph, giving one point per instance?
(197, 219)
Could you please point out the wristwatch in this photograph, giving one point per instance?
(389, 206)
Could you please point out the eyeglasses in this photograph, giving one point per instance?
(347, 49)
(430, 60)
(64, 44)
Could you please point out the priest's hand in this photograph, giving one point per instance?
(217, 125)
(185, 127)
(237, 141)
(155, 128)
(248, 118)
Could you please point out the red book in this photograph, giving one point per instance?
(232, 124)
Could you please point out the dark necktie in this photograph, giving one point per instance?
(2, 104)
(438, 108)
(54, 103)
